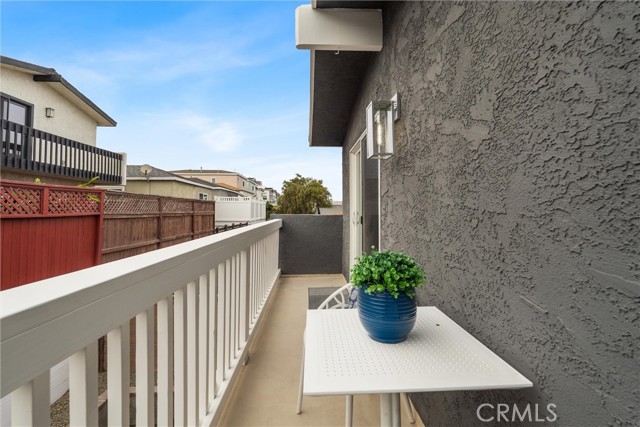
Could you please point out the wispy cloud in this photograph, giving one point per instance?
(219, 136)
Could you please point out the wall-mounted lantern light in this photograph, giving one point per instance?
(49, 112)
(380, 118)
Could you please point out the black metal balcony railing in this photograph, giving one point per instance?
(28, 149)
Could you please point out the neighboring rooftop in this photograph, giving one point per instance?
(135, 172)
(205, 171)
(217, 184)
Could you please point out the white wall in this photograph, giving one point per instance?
(231, 210)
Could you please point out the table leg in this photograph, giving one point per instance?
(385, 410)
(395, 409)
(390, 410)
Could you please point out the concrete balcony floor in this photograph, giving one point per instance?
(267, 388)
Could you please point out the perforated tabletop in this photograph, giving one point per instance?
(438, 355)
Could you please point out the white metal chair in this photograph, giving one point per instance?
(344, 298)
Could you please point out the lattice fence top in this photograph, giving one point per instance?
(142, 204)
(15, 200)
(177, 206)
(204, 206)
(25, 199)
(67, 202)
(126, 203)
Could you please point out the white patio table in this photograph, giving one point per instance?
(438, 355)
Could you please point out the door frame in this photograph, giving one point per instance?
(356, 206)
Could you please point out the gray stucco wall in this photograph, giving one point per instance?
(310, 244)
(516, 184)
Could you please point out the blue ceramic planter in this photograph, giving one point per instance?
(386, 319)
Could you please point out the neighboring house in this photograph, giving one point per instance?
(236, 181)
(513, 182)
(162, 183)
(49, 129)
(273, 195)
(267, 194)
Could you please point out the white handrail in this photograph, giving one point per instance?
(225, 278)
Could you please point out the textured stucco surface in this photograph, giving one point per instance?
(69, 121)
(516, 184)
(310, 244)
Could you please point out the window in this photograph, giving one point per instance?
(204, 196)
(213, 180)
(18, 112)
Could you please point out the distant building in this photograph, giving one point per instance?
(49, 129)
(162, 183)
(246, 186)
(267, 194)
(336, 209)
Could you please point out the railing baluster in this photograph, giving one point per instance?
(238, 315)
(145, 368)
(165, 362)
(56, 156)
(244, 295)
(232, 314)
(47, 154)
(220, 327)
(179, 358)
(252, 282)
(118, 375)
(40, 159)
(213, 336)
(227, 317)
(83, 386)
(255, 283)
(203, 348)
(192, 354)
(30, 403)
(261, 272)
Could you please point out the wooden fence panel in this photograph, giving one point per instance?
(138, 223)
(47, 230)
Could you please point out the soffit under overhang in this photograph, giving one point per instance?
(336, 80)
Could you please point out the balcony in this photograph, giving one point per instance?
(203, 310)
(33, 151)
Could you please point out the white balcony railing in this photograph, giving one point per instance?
(232, 210)
(208, 295)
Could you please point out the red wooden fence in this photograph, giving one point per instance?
(47, 230)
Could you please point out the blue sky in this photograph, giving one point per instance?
(211, 84)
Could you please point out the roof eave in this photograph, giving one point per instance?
(335, 83)
(50, 75)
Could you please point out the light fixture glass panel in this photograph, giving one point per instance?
(380, 130)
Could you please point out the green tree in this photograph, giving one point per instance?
(270, 210)
(301, 195)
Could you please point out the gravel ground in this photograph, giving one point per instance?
(60, 409)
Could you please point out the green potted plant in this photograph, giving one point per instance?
(386, 283)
